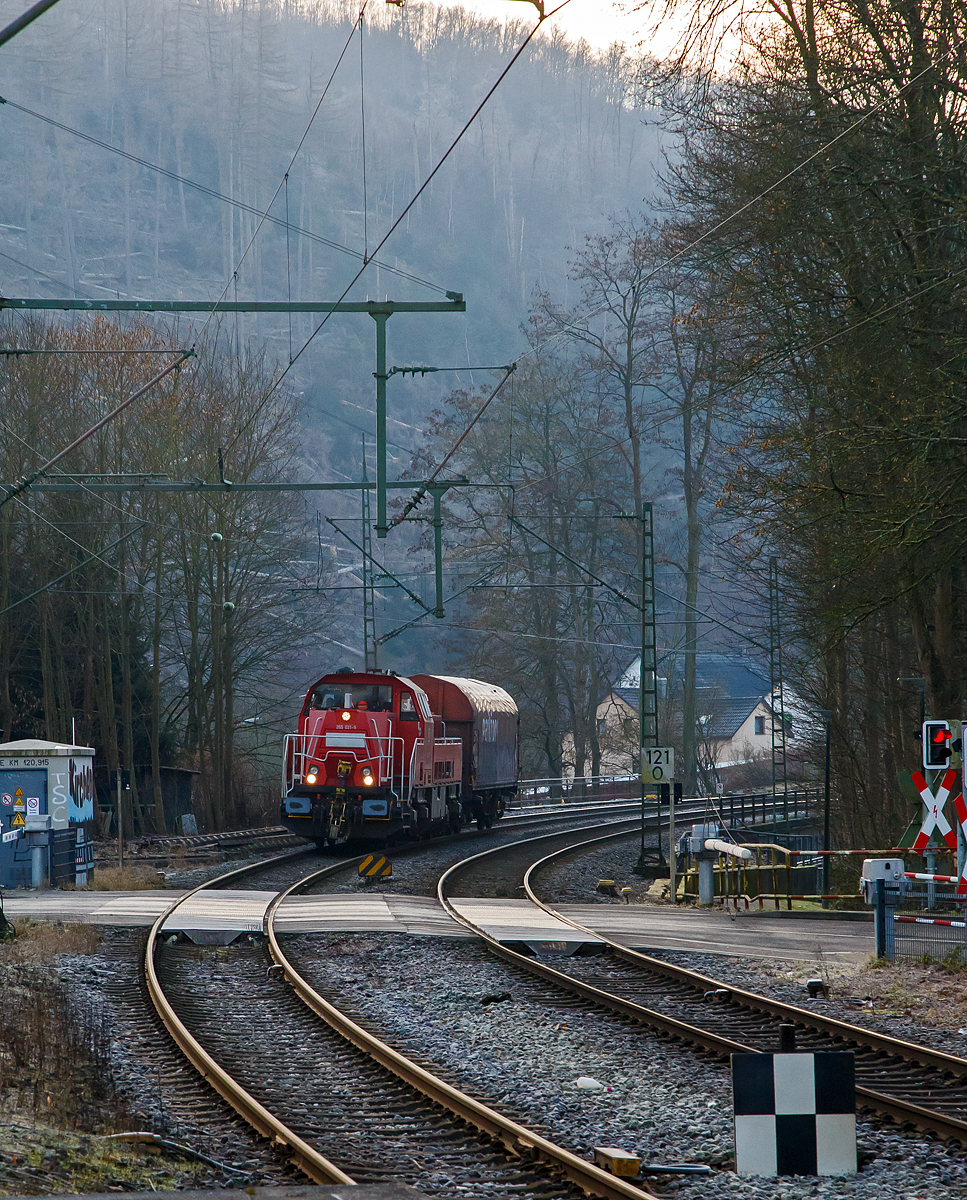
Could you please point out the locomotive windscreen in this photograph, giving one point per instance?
(376, 697)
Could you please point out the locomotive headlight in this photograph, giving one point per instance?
(367, 777)
(311, 777)
(346, 716)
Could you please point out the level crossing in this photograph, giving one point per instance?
(226, 913)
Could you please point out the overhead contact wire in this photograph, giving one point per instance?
(429, 179)
(25, 483)
(207, 191)
(263, 216)
(456, 446)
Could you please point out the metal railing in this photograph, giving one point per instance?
(562, 789)
(298, 749)
(762, 808)
(930, 924)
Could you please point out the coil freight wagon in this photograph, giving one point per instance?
(377, 757)
(485, 719)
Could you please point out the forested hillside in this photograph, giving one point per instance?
(140, 146)
(220, 94)
(767, 345)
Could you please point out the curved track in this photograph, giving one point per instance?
(905, 1082)
(300, 1153)
(506, 1157)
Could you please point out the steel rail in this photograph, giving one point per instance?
(314, 1165)
(900, 1110)
(300, 1153)
(516, 1138)
(587, 991)
(922, 1056)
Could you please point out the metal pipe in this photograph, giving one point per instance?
(37, 865)
(727, 848)
(706, 882)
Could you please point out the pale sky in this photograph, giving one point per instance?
(599, 22)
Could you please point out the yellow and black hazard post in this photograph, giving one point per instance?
(375, 866)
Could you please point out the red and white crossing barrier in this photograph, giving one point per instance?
(931, 921)
(962, 818)
(933, 878)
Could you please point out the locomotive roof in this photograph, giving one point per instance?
(483, 697)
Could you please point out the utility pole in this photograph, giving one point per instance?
(437, 491)
(379, 310)
(381, 317)
(777, 694)
(827, 715)
(369, 591)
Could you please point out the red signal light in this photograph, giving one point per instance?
(937, 736)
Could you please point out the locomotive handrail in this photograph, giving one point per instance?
(416, 743)
(300, 743)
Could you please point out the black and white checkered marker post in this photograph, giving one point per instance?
(795, 1114)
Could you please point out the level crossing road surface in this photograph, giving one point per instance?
(640, 926)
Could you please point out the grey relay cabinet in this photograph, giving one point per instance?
(46, 813)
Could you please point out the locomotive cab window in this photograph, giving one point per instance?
(370, 697)
(407, 707)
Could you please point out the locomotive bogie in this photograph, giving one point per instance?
(372, 759)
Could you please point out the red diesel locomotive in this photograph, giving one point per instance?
(378, 755)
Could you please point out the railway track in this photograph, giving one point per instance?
(159, 848)
(382, 1115)
(909, 1084)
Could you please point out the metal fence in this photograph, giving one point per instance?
(561, 790)
(927, 937)
(767, 807)
(915, 931)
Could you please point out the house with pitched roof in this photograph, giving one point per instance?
(736, 713)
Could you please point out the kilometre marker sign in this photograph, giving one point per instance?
(657, 763)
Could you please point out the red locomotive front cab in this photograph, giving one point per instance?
(366, 762)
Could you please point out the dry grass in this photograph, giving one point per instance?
(55, 1055)
(40, 943)
(38, 1158)
(124, 879)
(931, 993)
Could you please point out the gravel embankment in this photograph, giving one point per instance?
(665, 1103)
(923, 1003)
(416, 869)
(156, 1090)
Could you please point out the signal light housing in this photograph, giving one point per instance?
(942, 744)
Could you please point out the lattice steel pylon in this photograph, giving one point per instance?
(650, 858)
(648, 671)
(777, 696)
(369, 591)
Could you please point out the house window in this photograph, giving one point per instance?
(760, 725)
